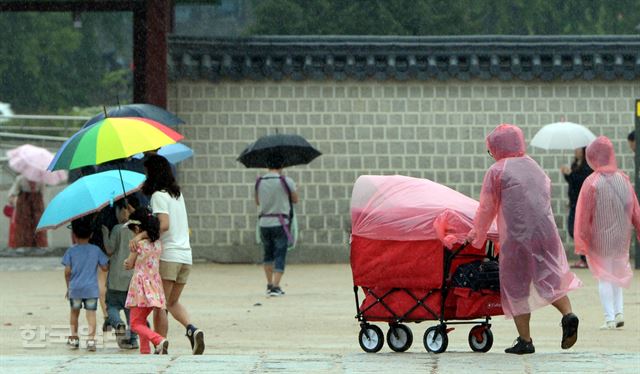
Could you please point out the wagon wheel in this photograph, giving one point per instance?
(399, 337)
(480, 338)
(435, 339)
(371, 338)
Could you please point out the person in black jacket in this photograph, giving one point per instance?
(575, 176)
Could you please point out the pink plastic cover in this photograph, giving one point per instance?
(606, 213)
(404, 208)
(533, 265)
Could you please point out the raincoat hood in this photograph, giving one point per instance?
(600, 155)
(506, 141)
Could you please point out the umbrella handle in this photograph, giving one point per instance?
(122, 183)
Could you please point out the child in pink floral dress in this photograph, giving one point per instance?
(145, 290)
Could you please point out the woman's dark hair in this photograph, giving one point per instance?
(159, 177)
(148, 223)
(575, 166)
(130, 199)
(275, 161)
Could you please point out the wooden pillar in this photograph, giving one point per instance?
(151, 20)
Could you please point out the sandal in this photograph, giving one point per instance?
(73, 342)
(91, 345)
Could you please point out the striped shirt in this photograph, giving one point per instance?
(612, 216)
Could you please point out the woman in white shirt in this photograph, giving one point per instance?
(167, 204)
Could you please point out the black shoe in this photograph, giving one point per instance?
(106, 326)
(521, 347)
(269, 287)
(121, 329)
(196, 338)
(569, 330)
(276, 291)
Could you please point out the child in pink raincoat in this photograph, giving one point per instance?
(533, 265)
(606, 211)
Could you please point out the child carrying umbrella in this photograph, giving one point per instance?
(606, 213)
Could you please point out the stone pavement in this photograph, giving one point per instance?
(296, 362)
(310, 330)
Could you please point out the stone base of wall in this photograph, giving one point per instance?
(253, 254)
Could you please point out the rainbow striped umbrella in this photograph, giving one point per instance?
(110, 139)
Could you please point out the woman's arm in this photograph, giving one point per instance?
(583, 224)
(164, 222)
(130, 261)
(108, 240)
(133, 243)
(14, 191)
(488, 207)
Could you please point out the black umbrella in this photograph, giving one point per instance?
(290, 150)
(139, 110)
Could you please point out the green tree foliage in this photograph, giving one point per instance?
(445, 17)
(48, 66)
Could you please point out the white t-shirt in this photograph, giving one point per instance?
(175, 241)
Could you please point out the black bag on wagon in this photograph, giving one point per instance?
(477, 275)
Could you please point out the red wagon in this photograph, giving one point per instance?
(407, 241)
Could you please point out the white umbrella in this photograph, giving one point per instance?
(562, 135)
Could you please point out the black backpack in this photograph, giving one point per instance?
(477, 275)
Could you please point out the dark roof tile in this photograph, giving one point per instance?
(402, 58)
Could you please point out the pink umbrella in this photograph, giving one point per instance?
(32, 162)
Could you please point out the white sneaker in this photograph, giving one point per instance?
(619, 320)
(162, 348)
(91, 345)
(608, 325)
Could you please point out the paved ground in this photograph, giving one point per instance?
(328, 363)
(309, 330)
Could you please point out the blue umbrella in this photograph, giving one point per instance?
(174, 153)
(87, 195)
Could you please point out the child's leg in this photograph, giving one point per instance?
(606, 298)
(73, 321)
(138, 322)
(133, 336)
(139, 325)
(102, 285)
(91, 320)
(113, 308)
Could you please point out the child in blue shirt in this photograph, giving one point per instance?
(81, 263)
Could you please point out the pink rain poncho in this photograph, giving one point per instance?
(607, 208)
(533, 265)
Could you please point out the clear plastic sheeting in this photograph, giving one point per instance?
(606, 211)
(533, 265)
(404, 208)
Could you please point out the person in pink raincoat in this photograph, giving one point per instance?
(606, 211)
(533, 265)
